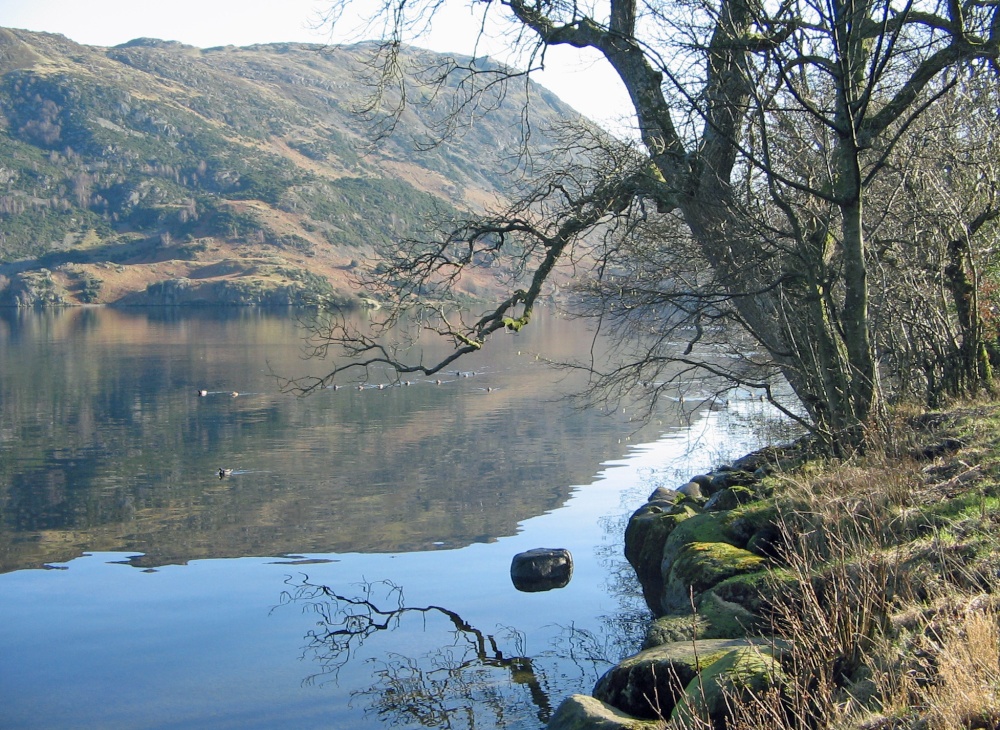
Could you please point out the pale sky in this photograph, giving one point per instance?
(588, 86)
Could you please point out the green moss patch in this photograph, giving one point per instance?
(702, 565)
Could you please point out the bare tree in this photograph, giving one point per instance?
(936, 240)
(765, 130)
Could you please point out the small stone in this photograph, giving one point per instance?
(692, 490)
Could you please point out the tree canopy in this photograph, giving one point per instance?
(814, 177)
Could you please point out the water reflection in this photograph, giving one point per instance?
(106, 442)
(108, 450)
(474, 679)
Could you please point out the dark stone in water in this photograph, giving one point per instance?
(541, 569)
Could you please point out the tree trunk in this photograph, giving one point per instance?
(972, 371)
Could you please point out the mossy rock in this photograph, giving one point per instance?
(742, 522)
(725, 478)
(704, 527)
(730, 498)
(582, 712)
(645, 537)
(702, 565)
(739, 675)
(649, 684)
(677, 627)
(757, 592)
(724, 619)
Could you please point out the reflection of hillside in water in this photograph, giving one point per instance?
(106, 446)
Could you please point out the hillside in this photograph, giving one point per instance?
(159, 173)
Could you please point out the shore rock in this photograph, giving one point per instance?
(649, 684)
(646, 534)
(699, 566)
(740, 675)
(582, 712)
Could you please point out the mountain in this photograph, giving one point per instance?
(160, 173)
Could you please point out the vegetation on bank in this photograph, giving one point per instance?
(880, 595)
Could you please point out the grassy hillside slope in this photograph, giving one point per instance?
(159, 173)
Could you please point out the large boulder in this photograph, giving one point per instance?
(743, 675)
(649, 684)
(581, 712)
(706, 527)
(699, 566)
(645, 537)
(541, 569)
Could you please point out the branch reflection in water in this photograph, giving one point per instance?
(452, 686)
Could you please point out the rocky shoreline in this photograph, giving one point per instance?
(712, 559)
(691, 549)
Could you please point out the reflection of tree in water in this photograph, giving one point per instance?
(475, 680)
(460, 685)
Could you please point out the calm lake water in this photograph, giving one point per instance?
(352, 571)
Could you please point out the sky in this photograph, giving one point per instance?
(584, 83)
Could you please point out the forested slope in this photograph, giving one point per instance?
(160, 173)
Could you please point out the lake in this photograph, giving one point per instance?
(352, 571)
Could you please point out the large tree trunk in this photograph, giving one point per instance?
(857, 336)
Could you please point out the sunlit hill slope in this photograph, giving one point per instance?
(158, 173)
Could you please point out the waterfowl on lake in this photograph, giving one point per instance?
(234, 394)
(202, 393)
(224, 472)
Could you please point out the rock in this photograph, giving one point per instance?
(581, 712)
(766, 541)
(649, 684)
(664, 495)
(758, 593)
(729, 498)
(726, 619)
(705, 527)
(704, 481)
(541, 569)
(768, 456)
(692, 490)
(645, 537)
(740, 529)
(676, 627)
(699, 566)
(724, 479)
(739, 675)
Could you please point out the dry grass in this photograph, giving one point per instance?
(887, 586)
(892, 619)
(967, 691)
